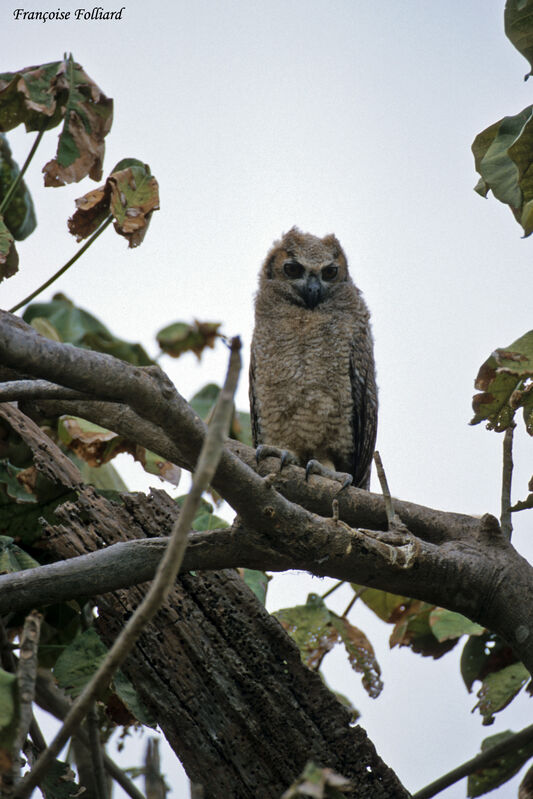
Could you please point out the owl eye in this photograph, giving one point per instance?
(293, 270)
(329, 272)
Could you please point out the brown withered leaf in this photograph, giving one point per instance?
(130, 195)
(9, 259)
(87, 121)
(360, 654)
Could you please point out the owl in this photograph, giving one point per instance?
(312, 377)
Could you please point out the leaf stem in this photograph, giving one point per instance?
(507, 473)
(64, 268)
(16, 183)
(333, 588)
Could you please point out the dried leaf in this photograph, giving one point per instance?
(413, 629)
(360, 654)
(180, 337)
(505, 382)
(31, 96)
(88, 116)
(130, 195)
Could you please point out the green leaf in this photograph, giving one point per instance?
(503, 767)
(23, 521)
(317, 782)
(445, 624)
(11, 487)
(130, 698)
(9, 260)
(81, 328)
(503, 156)
(310, 628)
(203, 404)
(518, 18)
(257, 581)
(8, 709)
(360, 654)
(385, 605)
(505, 382)
(180, 337)
(412, 628)
(59, 782)
(19, 216)
(79, 661)
(13, 558)
(499, 688)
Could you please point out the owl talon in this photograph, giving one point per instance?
(265, 451)
(315, 467)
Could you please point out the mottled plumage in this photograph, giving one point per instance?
(312, 378)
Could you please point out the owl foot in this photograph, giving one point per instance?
(285, 457)
(315, 467)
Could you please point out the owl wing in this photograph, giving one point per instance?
(364, 417)
(254, 417)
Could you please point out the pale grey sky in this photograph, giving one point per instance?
(338, 116)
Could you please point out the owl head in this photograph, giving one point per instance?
(304, 269)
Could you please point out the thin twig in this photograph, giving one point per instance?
(511, 744)
(18, 180)
(333, 588)
(64, 268)
(389, 508)
(353, 600)
(154, 783)
(26, 675)
(97, 758)
(164, 579)
(507, 476)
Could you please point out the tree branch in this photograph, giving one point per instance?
(165, 576)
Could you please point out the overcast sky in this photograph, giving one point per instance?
(338, 116)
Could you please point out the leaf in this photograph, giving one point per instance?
(179, 337)
(24, 521)
(8, 710)
(505, 382)
(503, 156)
(445, 624)
(130, 195)
(81, 328)
(10, 484)
(525, 790)
(310, 628)
(518, 18)
(499, 688)
(318, 783)
(19, 216)
(129, 696)
(77, 664)
(501, 769)
(483, 655)
(257, 581)
(203, 404)
(31, 96)
(88, 115)
(385, 605)
(413, 629)
(13, 558)
(59, 782)
(97, 446)
(9, 260)
(360, 654)
(204, 518)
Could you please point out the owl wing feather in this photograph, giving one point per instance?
(364, 418)
(254, 416)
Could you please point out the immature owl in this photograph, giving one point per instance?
(312, 378)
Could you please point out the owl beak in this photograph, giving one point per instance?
(312, 291)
